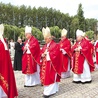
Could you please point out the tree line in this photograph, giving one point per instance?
(16, 18)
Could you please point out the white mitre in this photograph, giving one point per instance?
(28, 29)
(63, 32)
(79, 33)
(1, 30)
(46, 32)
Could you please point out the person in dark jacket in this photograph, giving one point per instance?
(18, 55)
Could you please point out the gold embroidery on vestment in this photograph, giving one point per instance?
(4, 81)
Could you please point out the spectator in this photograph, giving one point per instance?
(18, 55)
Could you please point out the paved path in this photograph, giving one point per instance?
(67, 89)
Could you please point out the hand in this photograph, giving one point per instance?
(63, 51)
(77, 49)
(25, 48)
(43, 55)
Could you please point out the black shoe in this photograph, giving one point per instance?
(77, 82)
(86, 82)
(42, 85)
(46, 96)
(28, 86)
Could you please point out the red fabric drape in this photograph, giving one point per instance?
(7, 79)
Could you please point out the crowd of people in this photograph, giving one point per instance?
(46, 65)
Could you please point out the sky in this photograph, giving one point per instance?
(90, 7)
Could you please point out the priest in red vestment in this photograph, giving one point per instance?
(50, 68)
(90, 43)
(83, 63)
(65, 48)
(31, 59)
(96, 52)
(7, 80)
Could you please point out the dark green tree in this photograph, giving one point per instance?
(80, 16)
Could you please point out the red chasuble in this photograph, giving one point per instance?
(96, 51)
(79, 57)
(91, 46)
(50, 68)
(30, 61)
(66, 45)
(7, 80)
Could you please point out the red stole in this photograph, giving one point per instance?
(66, 45)
(30, 61)
(50, 68)
(7, 79)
